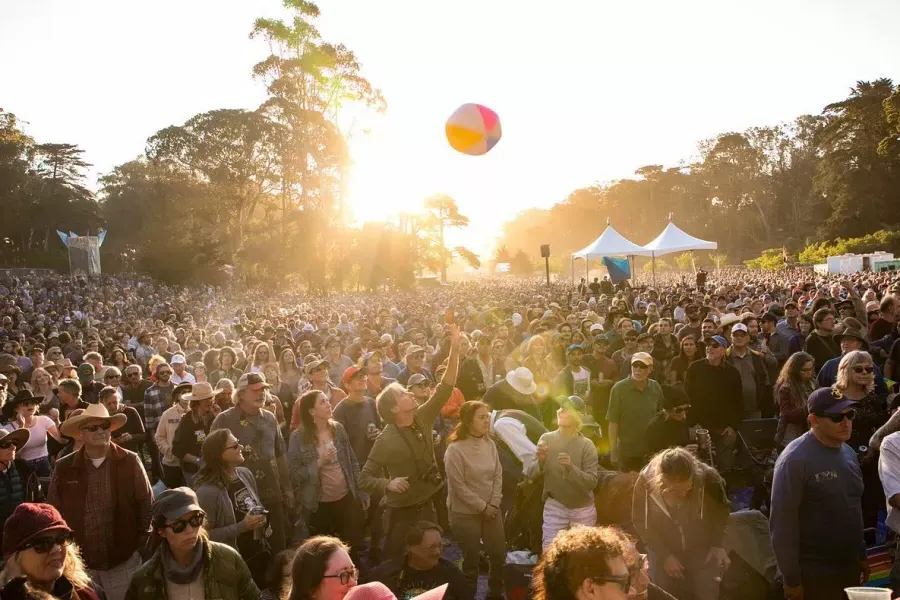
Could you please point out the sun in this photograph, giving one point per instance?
(384, 181)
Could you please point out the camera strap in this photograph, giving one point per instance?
(412, 451)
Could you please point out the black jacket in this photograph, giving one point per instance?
(400, 578)
(31, 485)
(716, 395)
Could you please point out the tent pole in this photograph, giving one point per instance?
(653, 266)
(587, 268)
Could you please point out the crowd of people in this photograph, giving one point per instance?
(162, 442)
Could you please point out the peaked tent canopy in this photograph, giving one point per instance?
(611, 243)
(673, 239)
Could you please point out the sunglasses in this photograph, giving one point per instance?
(6, 445)
(863, 369)
(639, 365)
(624, 582)
(180, 525)
(161, 373)
(238, 445)
(97, 426)
(839, 418)
(45, 545)
(345, 577)
(681, 409)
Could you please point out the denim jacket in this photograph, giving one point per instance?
(303, 461)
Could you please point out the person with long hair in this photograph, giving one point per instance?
(325, 471)
(689, 352)
(290, 372)
(679, 509)
(227, 361)
(228, 494)
(118, 359)
(39, 545)
(794, 385)
(186, 563)
(200, 373)
(262, 355)
(322, 570)
(474, 491)
(22, 413)
(278, 577)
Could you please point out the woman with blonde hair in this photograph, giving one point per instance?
(856, 381)
(795, 383)
(679, 509)
(39, 545)
(287, 366)
(42, 385)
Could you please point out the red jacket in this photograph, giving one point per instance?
(68, 490)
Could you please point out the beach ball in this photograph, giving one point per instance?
(473, 129)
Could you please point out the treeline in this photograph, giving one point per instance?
(254, 194)
(820, 177)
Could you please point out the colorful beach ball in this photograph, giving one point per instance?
(473, 129)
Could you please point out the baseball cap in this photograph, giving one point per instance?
(642, 357)
(790, 303)
(349, 374)
(414, 349)
(718, 339)
(573, 347)
(257, 380)
(826, 401)
(86, 369)
(596, 327)
(416, 379)
(175, 503)
(177, 359)
(739, 327)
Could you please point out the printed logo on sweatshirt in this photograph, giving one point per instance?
(824, 476)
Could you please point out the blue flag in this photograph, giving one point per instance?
(618, 268)
(63, 237)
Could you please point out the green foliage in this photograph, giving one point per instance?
(770, 260)
(684, 261)
(718, 258)
(661, 265)
(886, 240)
(836, 173)
(521, 264)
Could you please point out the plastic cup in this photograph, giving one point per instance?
(868, 593)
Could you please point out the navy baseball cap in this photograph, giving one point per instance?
(826, 401)
(573, 347)
(719, 340)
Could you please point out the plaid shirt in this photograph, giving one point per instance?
(98, 525)
(156, 400)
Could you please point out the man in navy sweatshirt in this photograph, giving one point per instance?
(816, 518)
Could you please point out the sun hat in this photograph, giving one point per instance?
(855, 334)
(28, 521)
(200, 391)
(22, 396)
(93, 412)
(19, 437)
(522, 380)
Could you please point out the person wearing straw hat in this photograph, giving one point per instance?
(103, 492)
(187, 445)
(173, 476)
(19, 480)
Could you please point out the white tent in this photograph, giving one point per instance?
(610, 243)
(673, 239)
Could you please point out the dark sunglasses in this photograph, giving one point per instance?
(161, 373)
(46, 544)
(345, 577)
(180, 525)
(6, 445)
(624, 582)
(681, 409)
(839, 418)
(640, 365)
(97, 426)
(863, 369)
(238, 445)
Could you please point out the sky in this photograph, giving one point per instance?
(587, 90)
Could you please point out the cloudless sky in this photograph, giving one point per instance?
(586, 90)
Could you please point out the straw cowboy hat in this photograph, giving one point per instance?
(94, 412)
(522, 380)
(19, 437)
(200, 391)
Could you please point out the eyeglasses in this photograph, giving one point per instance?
(238, 445)
(46, 544)
(345, 577)
(161, 373)
(863, 369)
(839, 418)
(623, 581)
(97, 426)
(681, 409)
(6, 445)
(180, 525)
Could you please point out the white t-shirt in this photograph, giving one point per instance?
(37, 444)
(581, 383)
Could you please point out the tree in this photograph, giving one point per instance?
(685, 260)
(521, 264)
(770, 260)
(445, 213)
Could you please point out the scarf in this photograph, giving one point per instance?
(183, 574)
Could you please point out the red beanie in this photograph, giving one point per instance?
(28, 521)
